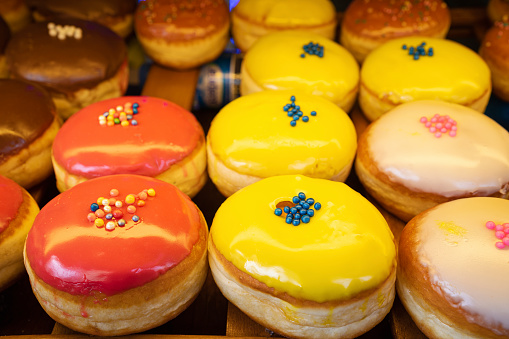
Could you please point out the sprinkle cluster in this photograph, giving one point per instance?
(120, 115)
(302, 210)
(111, 212)
(63, 32)
(440, 124)
(312, 49)
(419, 51)
(294, 112)
(501, 232)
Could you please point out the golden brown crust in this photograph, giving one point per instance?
(369, 23)
(434, 314)
(394, 197)
(134, 310)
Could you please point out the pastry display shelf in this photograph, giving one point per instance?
(211, 315)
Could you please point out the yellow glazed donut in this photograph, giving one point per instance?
(331, 276)
(424, 153)
(253, 138)
(390, 75)
(453, 269)
(301, 61)
(252, 19)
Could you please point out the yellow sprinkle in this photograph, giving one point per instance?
(125, 123)
(100, 201)
(99, 222)
(111, 111)
(130, 199)
(119, 108)
(151, 192)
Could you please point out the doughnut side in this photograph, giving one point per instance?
(435, 315)
(299, 318)
(12, 241)
(134, 310)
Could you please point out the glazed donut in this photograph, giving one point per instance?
(495, 51)
(451, 273)
(330, 276)
(155, 138)
(255, 137)
(117, 15)
(497, 10)
(28, 126)
(15, 13)
(424, 153)
(368, 24)
(182, 34)
(16, 217)
(392, 74)
(5, 35)
(135, 260)
(79, 62)
(301, 61)
(252, 19)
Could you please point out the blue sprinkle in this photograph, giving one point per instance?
(404, 47)
(286, 209)
(292, 98)
(303, 55)
(295, 199)
(109, 216)
(135, 111)
(299, 113)
(305, 205)
(303, 211)
(293, 210)
(293, 123)
(287, 106)
(105, 114)
(129, 116)
(296, 222)
(310, 201)
(290, 114)
(136, 105)
(302, 202)
(305, 219)
(296, 117)
(135, 218)
(297, 107)
(121, 222)
(134, 122)
(278, 212)
(318, 206)
(94, 207)
(313, 113)
(298, 207)
(296, 216)
(311, 212)
(305, 118)
(289, 220)
(302, 196)
(416, 56)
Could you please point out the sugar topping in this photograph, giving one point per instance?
(300, 209)
(65, 31)
(120, 115)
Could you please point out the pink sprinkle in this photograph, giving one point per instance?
(427, 124)
(454, 128)
(452, 133)
(439, 125)
(143, 195)
(438, 135)
(500, 234)
(490, 225)
(99, 213)
(434, 119)
(432, 129)
(131, 209)
(506, 241)
(114, 192)
(506, 225)
(506, 230)
(423, 119)
(443, 130)
(499, 228)
(499, 244)
(91, 216)
(448, 125)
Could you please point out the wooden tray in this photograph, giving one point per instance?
(211, 315)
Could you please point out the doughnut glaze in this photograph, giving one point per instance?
(390, 74)
(70, 253)
(180, 20)
(346, 247)
(459, 260)
(165, 134)
(27, 112)
(253, 135)
(69, 64)
(287, 13)
(473, 162)
(11, 198)
(278, 61)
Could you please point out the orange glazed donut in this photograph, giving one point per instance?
(17, 213)
(79, 62)
(117, 255)
(252, 19)
(182, 34)
(425, 153)
(132, 135)
(495, 51)
(367, 24)
(117, 15)
(453, 269)
(28, 127)
(326, 274)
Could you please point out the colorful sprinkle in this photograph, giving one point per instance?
(64, 32)
(501, 233)
(119, 116)
(419, 51)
